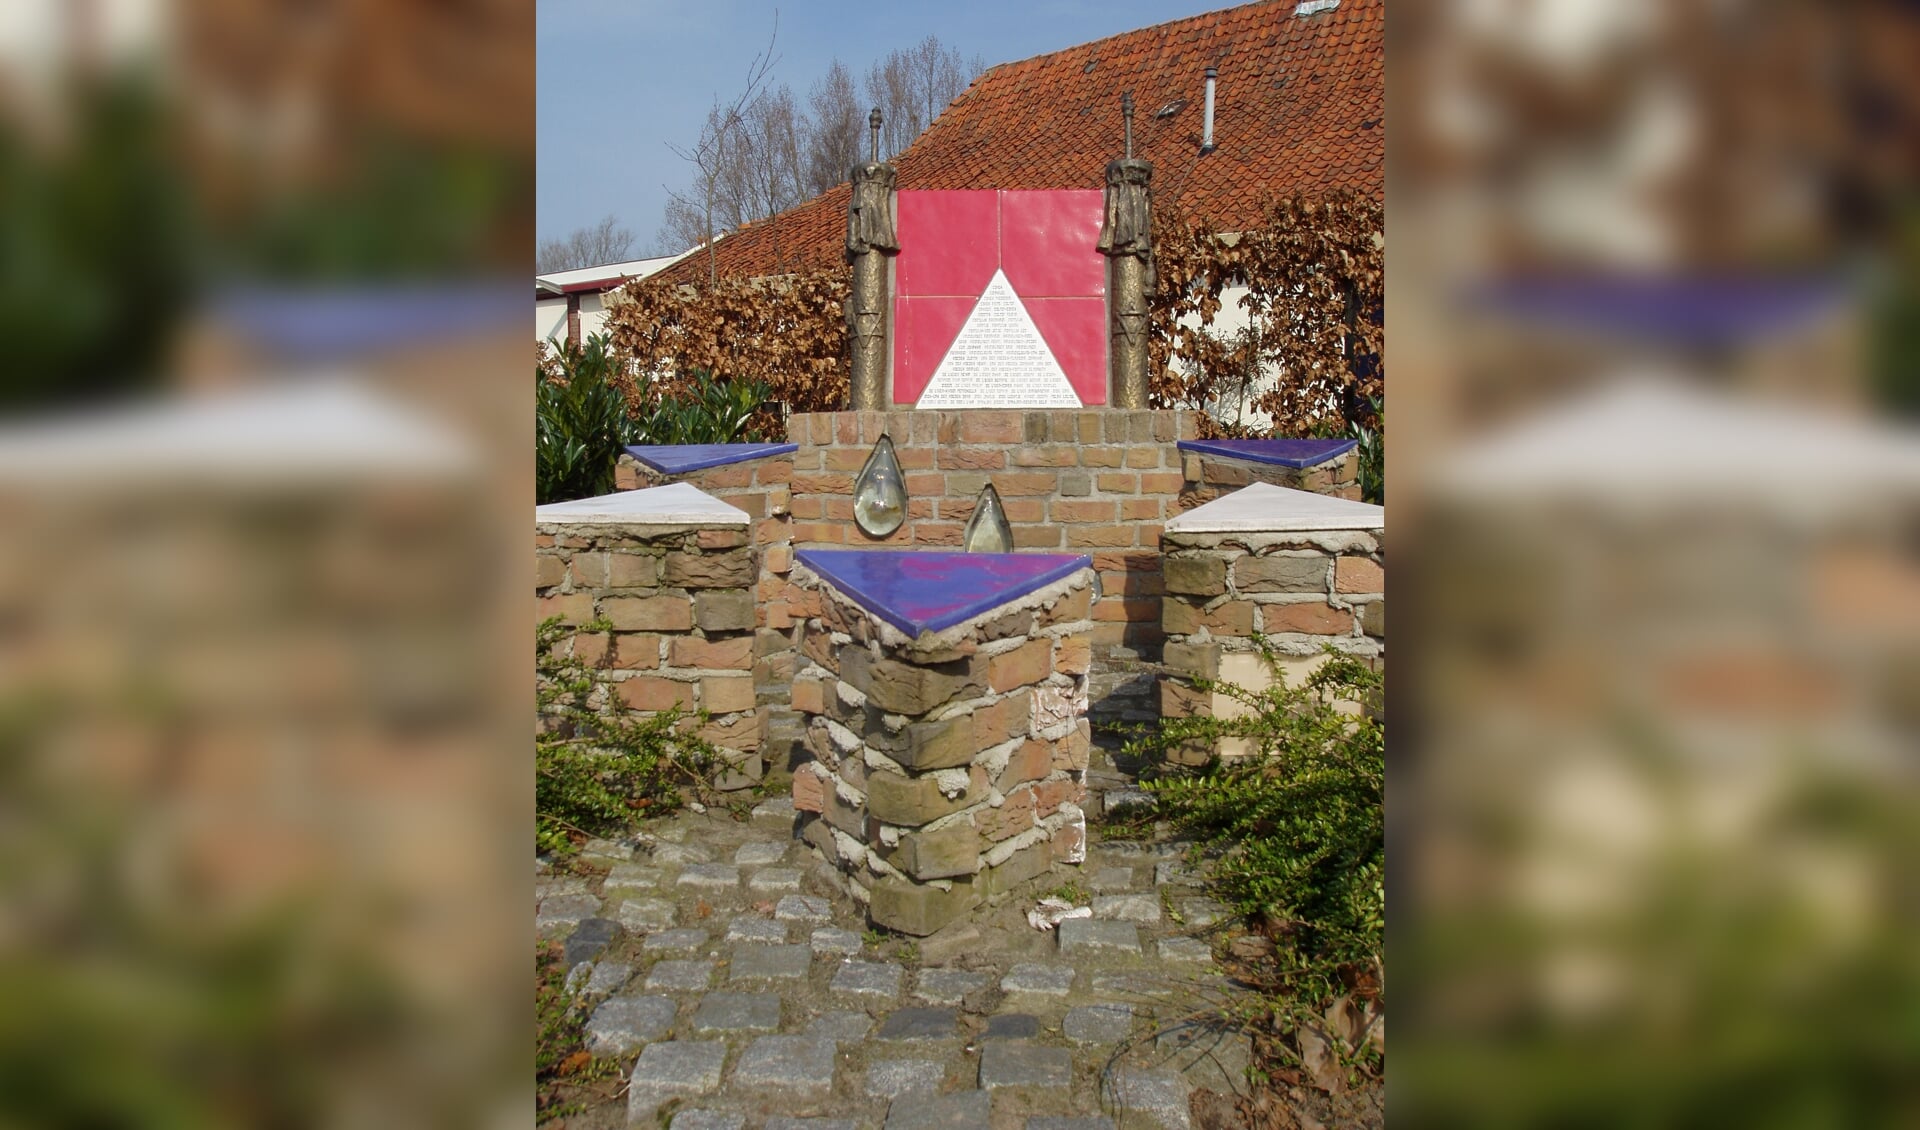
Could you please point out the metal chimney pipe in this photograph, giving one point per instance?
(1206, 128)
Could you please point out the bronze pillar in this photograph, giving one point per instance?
(1126, 239)
(870, 236)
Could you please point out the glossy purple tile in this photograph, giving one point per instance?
(679, 458)
(926, 592)
(1280, 452)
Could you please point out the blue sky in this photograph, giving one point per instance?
(620, 79)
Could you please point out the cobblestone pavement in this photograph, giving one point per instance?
(739, 989)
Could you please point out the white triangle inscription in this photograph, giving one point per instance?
(999, 360)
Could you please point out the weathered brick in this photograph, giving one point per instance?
(809, 792)
(1069, 608)
(572, 608)
(1016, 484)
(1128, 610)
(1180, 700)
(636, 651)
(1373, 618)
(591, 648)
(633, 571)
(1198, 576)
(1102, 456)
(1183, 617)
(720, 539)
(938, 745)
(725, 694)
(950, 852)
(648, 613)
(1073, 656)
(1313, 617)
(903, 688)
(732, 654)
(1048, 796)
(918, 909)
(826, 483)
(1086, 536)
(548, 570)
(1278, 573)
(1201, 660)
(1029, 663)
(969, 459)
(991, 427)
(1138, 509)
(938, 533)
(1143, 457)
(1003, 720)
(1166, 482)
(1032, 761)
(913, 801)
(809, 696)
(1358, 574)
(1084, 511)
(648, 692)
(723, 610)
(1119, 482)
(1073, 751)
(1049, 456)
(1028, 863)
(1013, 817)
(589, 569)
(1037, 537)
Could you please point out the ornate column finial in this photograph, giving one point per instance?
(873, 130)
(1126, 115)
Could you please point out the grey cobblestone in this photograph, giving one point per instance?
(799, 1066)
(1012, 1026)
(1098, 1023)
(759, 854)
(631, 877)
(622, 1024)
(757, 930)
(1183, 949)
(803, 908)
(680, 976)
(559, 914)
(1110, 880)
(645, 915)
(963, 1110)
(737, 1012)
(709, 877)
(827, 939)
(1005, 1065)
(1127, 908)
(707, 1120)
(920, 1024)
(1156, 1094)
(868, 979)
(608, 977)
(843, 1026)
(948, 986)
(891, 1078)
(1078, 934)
(1040, 980)
(673, 1069)
(675, 941)
(774, 880)
(756, 961)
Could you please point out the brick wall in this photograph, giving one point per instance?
(1302, 591)
(673, 610)
(1211, 476)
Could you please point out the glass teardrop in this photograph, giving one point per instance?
(988, 531)
(880, 493)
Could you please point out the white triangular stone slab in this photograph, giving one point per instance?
(1265, 508)
(676, 504)
(999, 360)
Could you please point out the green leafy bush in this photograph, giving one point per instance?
(599, 765)
(1295, 832)
(580, 423)
(705, 409)
(1372, 454)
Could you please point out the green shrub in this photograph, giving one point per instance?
(1294, 833)
(1372, 454)
(599, 765)
(580, 423)
(704, 409)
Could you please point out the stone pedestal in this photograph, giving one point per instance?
(1297, 571)
(945, 697)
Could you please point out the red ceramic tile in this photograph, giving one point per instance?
(949, 243)
(923, 329)
(1048, 243)
(1076, 330)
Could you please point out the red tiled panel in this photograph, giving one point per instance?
(949, 243)
(923, 328)
(1076, 330)
(1047, 243)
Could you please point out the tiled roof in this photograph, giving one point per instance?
(1299, 107)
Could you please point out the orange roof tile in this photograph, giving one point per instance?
(1300, 106)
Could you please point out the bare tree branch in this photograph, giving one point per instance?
(604, 242)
